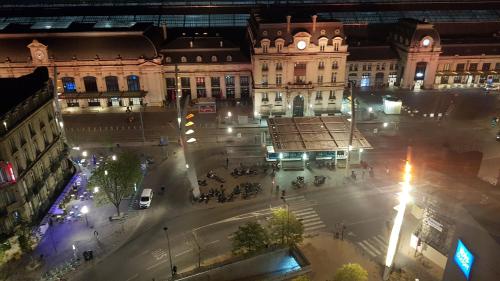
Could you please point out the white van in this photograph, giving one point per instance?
(146, 197)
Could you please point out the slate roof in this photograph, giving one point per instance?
(470, 49)
(205, 47)
(85, 46)
(371, 53)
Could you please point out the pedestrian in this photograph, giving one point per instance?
(227, 163)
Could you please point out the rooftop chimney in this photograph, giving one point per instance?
(288, 19)
(164, 29)
(314, 22)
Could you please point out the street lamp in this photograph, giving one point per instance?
(398, 221)
(386, 124)
(96, 189)
(165, 229)
(370, 109)
(229, 129)
(105, 172)
(85, 211)
(229, 114)
(189, 132)
(85, 153)
(113, 157)
(191, 140)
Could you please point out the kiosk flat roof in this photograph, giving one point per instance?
(303, 134)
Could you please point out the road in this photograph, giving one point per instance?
(364, 207)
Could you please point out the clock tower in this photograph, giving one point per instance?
(38, 52)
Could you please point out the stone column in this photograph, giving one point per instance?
(192, 84)
(208, 86)
(223, 86)
(237, 86)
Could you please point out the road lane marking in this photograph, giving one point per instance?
(133, 277)
(312, 223)
(366, 249)
(372, 247)
(213, 242)
(183, 252)
(156, 264)
(306, 229)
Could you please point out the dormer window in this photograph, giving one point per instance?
(279, 45)
(229, 58)
(183, 59)
(336, 43)
(199, 59)
(168, 59)
(323, 41)
(214, 58)
(265, 45)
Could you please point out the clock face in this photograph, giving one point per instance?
(39, 55)
(301, 45)
(426, 42)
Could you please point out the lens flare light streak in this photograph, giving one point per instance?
(398, 221)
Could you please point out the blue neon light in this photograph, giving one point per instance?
(463, 258)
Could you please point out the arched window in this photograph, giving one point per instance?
(183, 59)
(90, 84)
(214, 58)
(112, 84)
(69, 85)
(229, 58)
(168, 59)
(133, 83)
(199, 59)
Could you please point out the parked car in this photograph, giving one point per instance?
(146, 197)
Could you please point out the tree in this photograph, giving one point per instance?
(301, 278)
(116, 179)
(249, 238)
(285, 229)
(351, 272)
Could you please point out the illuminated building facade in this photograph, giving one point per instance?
(33, 158)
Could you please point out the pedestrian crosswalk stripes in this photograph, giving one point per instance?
(375, 246)
(301, 208)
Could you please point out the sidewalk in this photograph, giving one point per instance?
(101, 235)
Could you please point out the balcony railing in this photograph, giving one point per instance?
(103, 95)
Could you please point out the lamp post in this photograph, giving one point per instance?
(398, 221)
(165, 229)
(351, 128)
(85, 211)
(142, 123)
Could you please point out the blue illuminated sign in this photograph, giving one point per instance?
(463, 258)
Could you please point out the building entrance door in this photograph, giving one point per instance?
(298, 106)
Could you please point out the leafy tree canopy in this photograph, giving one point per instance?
(116, 179)
(249, 238)
(351, 272)
(285, 229)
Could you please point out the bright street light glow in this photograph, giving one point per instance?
(105, 172)
(113, 157)
(179, 121)
(84, 210)
(370, 109)
(304, 156)
(96, 189)
(191, 140)
(190, 123)
(5, 125)
(76, 148)
(229, 129)
(361, 150)
(350, 147)
(189, 132)
(73, 246)
(61, 124)
(256, 114)
(398, 221)
(187, 166)
(84, 153)
(386, 124)
(229, 114)
(281, 155)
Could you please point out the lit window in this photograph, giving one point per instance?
(214, 58)
(133, 83)
(229, 58)
(183, 59)
(199, 59)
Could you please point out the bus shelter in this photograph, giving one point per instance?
(296, 140)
